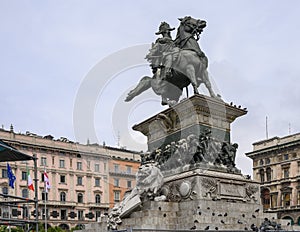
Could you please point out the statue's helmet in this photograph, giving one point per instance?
(164, 27)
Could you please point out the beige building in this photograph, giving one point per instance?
(276, 165)
(78, 174)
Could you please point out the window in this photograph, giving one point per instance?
(71, 163)
(4, 173)
(286, 199)
(266, 198)
(80, 198)
(62, 179)
(116, 182)
(98, 214)
(97, 199)
(63, 197)
(116, 167)
(262, 175)
(117, 196)
(25, 193)
(5, 213)
(24, 175)
(261, 162)
(79, 166)
(80, 215)
(63, 214)
(286, 172)
(53, 159)
(97, 182)
(268, 161)
(25, 212)
(44, 196)
(5, 190)
(43, 161)
(47, 213)
(128, 183)
(79, 180)
(128, 169)
(269, 174)
(286, 156)
(298, 198)
(42, 177)
(61, 163)
(97, 167)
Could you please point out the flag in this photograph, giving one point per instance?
(47, 183)
(30, 182)
(11, 176)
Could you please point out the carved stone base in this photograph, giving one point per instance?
(194, 115)
(210, 185)
(202, 200)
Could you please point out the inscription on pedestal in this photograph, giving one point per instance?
(232, 190)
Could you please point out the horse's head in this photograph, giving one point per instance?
(192, 25)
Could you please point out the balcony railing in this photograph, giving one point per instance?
(124, 173)
(98, 205)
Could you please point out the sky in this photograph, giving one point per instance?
(66, 66)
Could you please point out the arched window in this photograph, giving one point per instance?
(80, 198)
(269, 174)
(5, 190)
(298, 221)
(97, 199)
(25, 193)
(268, 161)
(62, 196)
(261, 162)
(265, 198)
(289, 218)
(286, 199)
(262, 175)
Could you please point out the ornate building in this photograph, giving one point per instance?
(276, 165)
(79, 177)
(121, 177)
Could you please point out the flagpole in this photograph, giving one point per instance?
(36, 193)
(26, 205)
(45, 191)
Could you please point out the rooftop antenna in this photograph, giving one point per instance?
(267, 134)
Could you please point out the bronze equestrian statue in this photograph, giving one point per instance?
(176, 63)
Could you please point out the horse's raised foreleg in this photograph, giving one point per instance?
(190, 72)
(143, 85)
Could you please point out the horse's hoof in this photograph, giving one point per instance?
(172, 103)
(128, 98)
(164, 103)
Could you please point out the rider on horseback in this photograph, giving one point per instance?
(160, 54)
(176, 64)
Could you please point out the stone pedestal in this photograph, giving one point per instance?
(202, 198)
(197, 191)
(194, 115)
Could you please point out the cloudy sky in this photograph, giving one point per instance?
(66, 66)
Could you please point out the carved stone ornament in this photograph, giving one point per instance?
(210, 185)
(251, 189)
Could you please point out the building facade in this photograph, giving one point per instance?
(121, 177)
(79, 177)
(276, 165)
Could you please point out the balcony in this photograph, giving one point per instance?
(61, 203)
(120, 173)
(98, 205)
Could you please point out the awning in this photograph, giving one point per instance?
(8, 153)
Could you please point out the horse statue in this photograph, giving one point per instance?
(176, 63)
